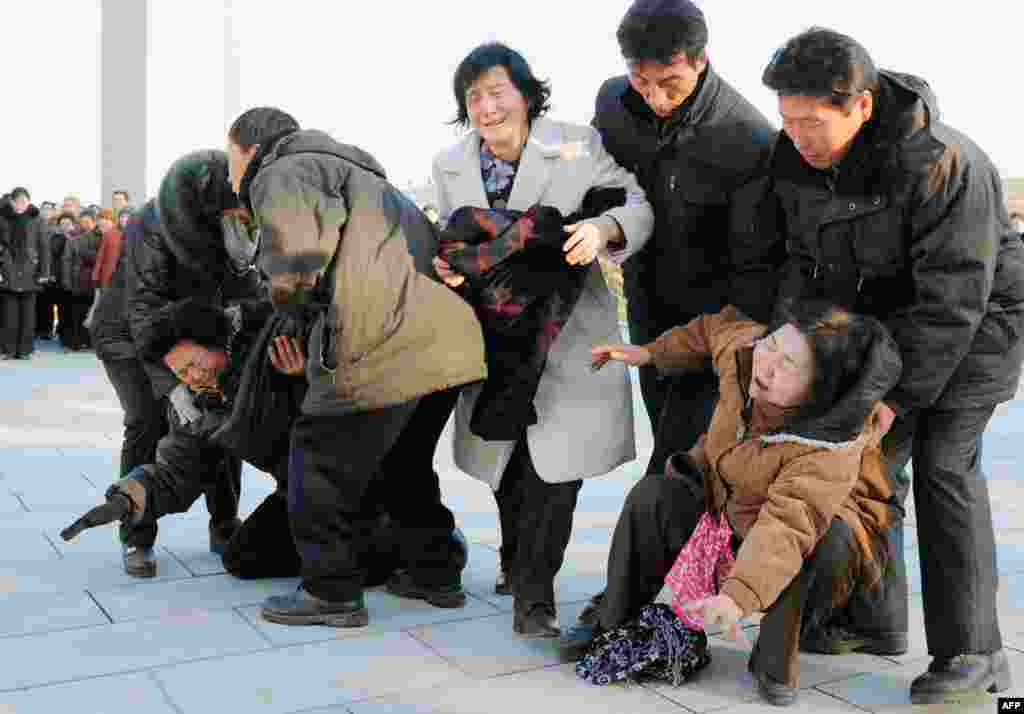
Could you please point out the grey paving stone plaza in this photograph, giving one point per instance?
(77, 635)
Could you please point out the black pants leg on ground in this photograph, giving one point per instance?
(332, 462)
(689, 402)
(540, 515)
(658, 517)
(76, 337)
(17, 324)
(187, 466)
(822, 587)
(145, 416)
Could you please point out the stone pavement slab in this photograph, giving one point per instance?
(31, 613)
(54, 657)
(301, 677)
(124, 694)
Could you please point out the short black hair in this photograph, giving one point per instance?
(122, 192)
(536, 92)
(47, 204)
(69, 216)
(822, 63)
(258, 124)
(658, 30)
(20, 191)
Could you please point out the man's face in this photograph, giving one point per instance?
(238, 163)
(72, 205)
(666, 86)
(118, 201)
(821, 131)
(21, 203)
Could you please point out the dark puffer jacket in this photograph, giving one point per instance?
(180, 254)
(690, 167)
(24, 250)
(912, 228)
(79, 261)
(338, 238)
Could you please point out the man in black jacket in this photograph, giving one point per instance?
(893, 214)
(24, 269)
(185, 252)
(692, 141)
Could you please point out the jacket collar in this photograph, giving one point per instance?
(543, 147)
(696, 109)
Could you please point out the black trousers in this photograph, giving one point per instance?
(956, 540)
(263, 546)
(536, 524)
(680, 407)
(75, 336)
(17, 323)
(187, 466)
(660, 514)
(145, 416)
(334, 461)
(46, 301)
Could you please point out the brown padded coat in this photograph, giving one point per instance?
(781, 490)
(335, 238)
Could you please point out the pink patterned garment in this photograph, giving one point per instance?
(703, 563)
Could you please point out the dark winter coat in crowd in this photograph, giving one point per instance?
(79, 262)
(523, 291)
(690, 167)
(24, 250)
(336, 236)
(946, 272)
(181, 253)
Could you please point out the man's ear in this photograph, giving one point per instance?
(865, 105)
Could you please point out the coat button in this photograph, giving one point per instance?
(876, 200)
(853, 206)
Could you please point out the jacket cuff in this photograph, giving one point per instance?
(745, 598)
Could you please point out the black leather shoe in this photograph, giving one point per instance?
(139, 560)
(837, 640)
(575, 641)
(503, 583)
(301, 608)
(536, 619)
(221, 533)
(773, 692)
(403, 585)
(951, 679)
(591, 613)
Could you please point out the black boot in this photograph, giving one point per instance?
(773, 692)
(535, 619)
(302, 608)
(139, 560)
(575, 641)
(117, 507)
(951, 679)
(592, 612)
(403, 585)
(841, 640)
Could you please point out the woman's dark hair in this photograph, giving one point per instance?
(69, 216)
(658, 30)
(841, 342)
(822, 63)
(536, 92)
(256, 125)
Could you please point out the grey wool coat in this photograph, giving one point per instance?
(585, 419)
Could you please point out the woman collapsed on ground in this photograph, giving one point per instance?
(791, 457)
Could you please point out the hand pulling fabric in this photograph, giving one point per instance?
(703, 563)
(655, 646)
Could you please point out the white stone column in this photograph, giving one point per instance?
(232, 67)
(123, 98)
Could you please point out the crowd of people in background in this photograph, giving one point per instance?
(809, 309)
(52, 260)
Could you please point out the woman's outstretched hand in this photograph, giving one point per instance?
(720, 610)
(630, 354)
(287, 356)
(583, 245)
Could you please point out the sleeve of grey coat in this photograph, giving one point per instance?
(953, 255)
(444, 206)
(635, 219)
(294, 252)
